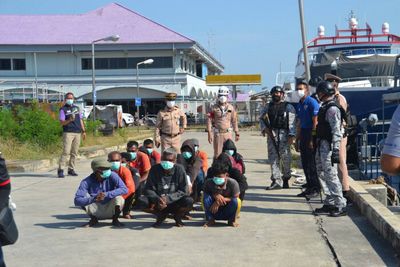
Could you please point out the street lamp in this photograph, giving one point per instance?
(146, 62)
(112, 38)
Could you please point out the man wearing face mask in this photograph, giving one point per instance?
(307, 120)
(100, 194)
(141, 162)
(329, 135)
(342, 166)
(278, 120)
(148, 149)
(192, 164)
(73, 127)
(221, 196)
(125, 174)
(170, 125)
(221, 122)
(167, 189)
(236, 158)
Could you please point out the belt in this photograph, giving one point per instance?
(222, 131)
(170, 135)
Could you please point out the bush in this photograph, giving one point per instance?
(8, 126)
(36, 126)
(92, 127)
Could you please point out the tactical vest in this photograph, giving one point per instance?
(75, 125)
(324, 130)
(278, 116)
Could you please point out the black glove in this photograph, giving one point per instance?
(335, 156)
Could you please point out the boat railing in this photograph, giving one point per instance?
(369, 152)
(371, 51)
(355, 39)
(371, 81)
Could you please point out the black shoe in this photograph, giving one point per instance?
(72, 172)
(325, 209)
(60, 173)
(336, 212)
(348, 199)
(285, 183)
(273, 186)
(312, 194)
(302, 194)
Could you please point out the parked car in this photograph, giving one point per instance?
(127, 120)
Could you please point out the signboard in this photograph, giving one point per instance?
(138, 102)
(245, 79)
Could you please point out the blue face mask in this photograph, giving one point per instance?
(167, 165)
(230, 152)
(133, 155)
(124, 164)
(106, 174)
(149, 150)
(69, 102)
(219, 180)
(186, 155)
(115, 165)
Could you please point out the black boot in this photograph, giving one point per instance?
(115, 221)
(60, 173)
(72, 172)
(346, 195)
(336, 212)
(285, 183)
(325, 209)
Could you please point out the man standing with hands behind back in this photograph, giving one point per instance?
(170, 125)
(221, 121)
(73, 128)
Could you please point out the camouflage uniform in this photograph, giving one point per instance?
(326, 171)
(221, 121)
(279, 171)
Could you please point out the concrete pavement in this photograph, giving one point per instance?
(276, 228)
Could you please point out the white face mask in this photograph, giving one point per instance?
(170, 104)
(301, 93)
(222, 99)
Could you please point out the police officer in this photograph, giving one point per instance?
(329, 135)
(221, 121)
(278, 121)
(71, 120)
(170, 125)
(342, 166)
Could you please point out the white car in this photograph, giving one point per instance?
(127, 119)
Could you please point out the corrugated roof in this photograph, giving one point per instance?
(132, 28)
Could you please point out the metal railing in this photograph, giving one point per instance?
(372, 81)
(30, 91)
(369, 153)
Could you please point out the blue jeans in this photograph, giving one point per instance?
(226, 213)
(198, 185)
(308, 159)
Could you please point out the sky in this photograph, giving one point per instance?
(247, 37)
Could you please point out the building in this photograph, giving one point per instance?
(45, 56)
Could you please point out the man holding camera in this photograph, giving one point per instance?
(73, 128)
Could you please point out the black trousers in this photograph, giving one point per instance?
(128, 204)
(5, 195)
(182, 205)
(308, 159)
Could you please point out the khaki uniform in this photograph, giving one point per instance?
(168, 123)
(221, 121)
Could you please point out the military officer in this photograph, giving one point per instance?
(329, 135)
(170, 125)
(342, 166)
(278, 121)
(221, 122)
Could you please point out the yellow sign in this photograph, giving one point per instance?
(248, 79)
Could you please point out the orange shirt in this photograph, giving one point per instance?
(204, 159)
(126, 177)
(141, 163)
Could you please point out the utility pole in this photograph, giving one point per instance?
(304, 38)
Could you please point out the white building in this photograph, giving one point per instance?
(43, 55)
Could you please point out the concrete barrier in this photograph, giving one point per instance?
(384, 221)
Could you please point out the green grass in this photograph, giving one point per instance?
(14, 150)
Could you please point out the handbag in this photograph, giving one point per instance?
(8, 228)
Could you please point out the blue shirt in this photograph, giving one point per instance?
(305, 111)
(89, 188)
(392, 141)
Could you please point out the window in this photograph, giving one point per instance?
(19, 64)
(181, 63)
(126, 63)
(12, 64)
(5, 64)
